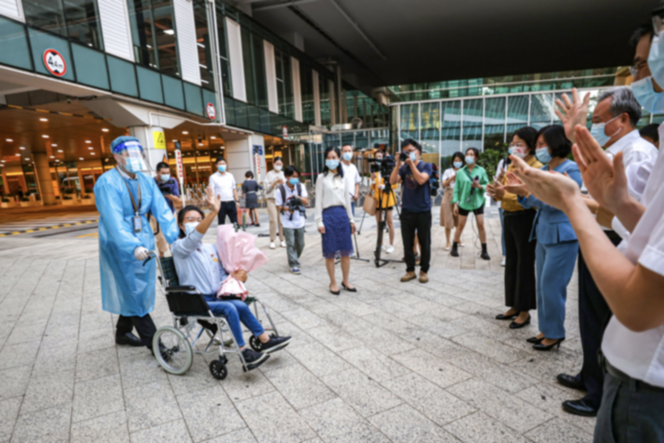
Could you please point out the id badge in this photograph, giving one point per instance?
(138, 224)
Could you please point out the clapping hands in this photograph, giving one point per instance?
(572, 112)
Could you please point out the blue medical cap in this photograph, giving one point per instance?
(121, 143)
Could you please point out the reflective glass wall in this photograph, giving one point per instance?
(76, 19)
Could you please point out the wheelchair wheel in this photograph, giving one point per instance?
(255, 343)
(174, 351)
(218, 369)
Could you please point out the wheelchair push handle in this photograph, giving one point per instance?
(151, 255)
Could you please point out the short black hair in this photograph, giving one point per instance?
(556, 140)
(290, 170)
(476, 151)
(650, 131)
(183, 212)
(162, 165)
(642, 30)
(529, 135)
(410, 141)
(221, 159)
(277, 159)
(460, 156)
(340, 169)
(249, 174)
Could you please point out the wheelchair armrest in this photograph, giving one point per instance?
(180, 288)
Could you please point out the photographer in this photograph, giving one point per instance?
(170, 190)
(415, 206)
(291, 200)
(384, 200)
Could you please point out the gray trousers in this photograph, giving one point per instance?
(294, 244)
(629, 414)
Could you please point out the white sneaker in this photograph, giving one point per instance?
(389, 249)
(272, 245)
(383, 248)
(283, 244)
(503, 262)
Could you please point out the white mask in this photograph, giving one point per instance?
(189, 227)
(277, 168)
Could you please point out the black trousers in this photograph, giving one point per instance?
(420, 222)
(520, 287)
(227, 209)
(144, 325)
(594, 314)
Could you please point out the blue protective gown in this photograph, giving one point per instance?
(127, 287)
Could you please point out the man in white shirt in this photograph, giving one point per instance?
(351, 174)
(292, 218)
(222, 183)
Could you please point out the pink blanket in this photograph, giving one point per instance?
(237, 251)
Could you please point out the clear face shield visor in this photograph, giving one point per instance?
(131, 157)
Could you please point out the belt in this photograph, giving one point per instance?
(250, 192)
(515, 213)
(633, 382)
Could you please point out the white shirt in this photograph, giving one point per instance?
(634, 149)
(352, 177)
(198, 263)
(298, 220)
(270, 178)
(223, 185)
(449, 173)
(641, 354)
(331, 190)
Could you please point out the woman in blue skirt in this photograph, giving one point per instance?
(334, 218)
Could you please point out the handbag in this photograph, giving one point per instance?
(369, 205)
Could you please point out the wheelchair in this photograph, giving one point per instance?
(175, 344)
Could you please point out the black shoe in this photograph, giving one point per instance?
(209, 326)
(254, 359)
(455, 250)
(579, 407)
(534, 340)
(515, 325)
(543, 347)
(275, 344)
(485, 256)
(570, 381)
(335, 292)
(128, 339)
(347, 288)
(506, 317)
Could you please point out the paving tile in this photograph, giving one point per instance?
(435, 403)
(299, 386)
(8, 414)
(241, 436)
(140, 369)
(405, 424)
(374, 364)
(55, 358)
(197, 378)
(14, 381)
(47, 425)
(361, 392)
(318, 359)
(272, 419)
(97, 364)
(498, 404)
(490, 347)
(171, 432)
(558, 431)
(334, 420)
(111, 428)
(432, 368)
(49, 390)
(438, 326)
(150, 405)
(241, 385)
(303, 318)
(19, 354)
(209, 414)
(382, 341)
(480, 428)
(335, 339)
(97, 397)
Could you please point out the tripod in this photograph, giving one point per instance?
(382, 215)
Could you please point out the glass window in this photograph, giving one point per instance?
(306, 82)
(430, 127)
(203, 44)
(325, 117)
(223, 51)
(494, 122)
(472, 124)
(83, 22)
(142, 33)
(517, 112)
(409, 122)
(254, 68)
(450, 127)
(45, 14)
(541, 110)
(284, 84)
(164, 26)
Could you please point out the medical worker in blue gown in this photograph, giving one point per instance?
(124, 196)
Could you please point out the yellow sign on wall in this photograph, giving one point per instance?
(159, 139)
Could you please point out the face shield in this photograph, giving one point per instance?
(130, 156)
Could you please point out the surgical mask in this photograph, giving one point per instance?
(543, 154)
(645, 94)
(332, 164)
(293, 181)
(348, 156)
(165, 177)
(134, 165)
(222, 168)
(470, 160)
(597, 131)
(413, 157)
(656, 59)
(277, 168)
(518, 151)
(458, 164)
(189, 227)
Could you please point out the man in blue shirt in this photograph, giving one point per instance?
(414, 174)
(170, 190)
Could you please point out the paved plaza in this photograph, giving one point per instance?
(401, 362)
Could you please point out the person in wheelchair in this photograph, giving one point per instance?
(198, 265)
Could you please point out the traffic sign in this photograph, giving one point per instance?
(55, 63)
(284, 131)
(211, 111)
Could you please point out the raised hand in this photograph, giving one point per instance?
(572, 112)
(212, 200)
(515, 185)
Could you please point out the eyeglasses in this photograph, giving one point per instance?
(657, 20)
(193, 219)
(634, 69)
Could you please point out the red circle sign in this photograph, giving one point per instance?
(211, 111)
(55, 62)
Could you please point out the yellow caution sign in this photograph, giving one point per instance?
(159, 139)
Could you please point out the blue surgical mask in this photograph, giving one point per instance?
(165, 177)
(189, 227)
(645, 94)
(543, 154)
(348, 156)
(412, 156)
(134, 165)
(597, 131)
(293, 181)
(458, 164)
(332, 164)
(470, 160)
(656, 59)
(222, 168)
(509, 150)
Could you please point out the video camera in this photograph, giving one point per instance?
(294, 205)
(384, 166)
(164, 187)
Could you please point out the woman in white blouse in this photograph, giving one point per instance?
(447, 217)
(334, 218)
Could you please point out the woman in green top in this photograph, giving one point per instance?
(471, 181)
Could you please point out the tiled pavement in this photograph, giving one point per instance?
(394, 362)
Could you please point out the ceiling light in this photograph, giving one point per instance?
(27, 159)
(185, 132)
(104, 129)
(44, 136)
(81, 158)
(9, 140)
(213, 137)
(59, 150)
(22, 148)
(56, 160)
(88, 141)
(92, 153)
(53, 144)
(174, 141)
(53, 156)
(18, 155)
(90, 148)
(2, 161)
(200, 144)
(169, 31)
(43, 119)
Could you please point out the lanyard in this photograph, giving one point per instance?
(133, 202)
